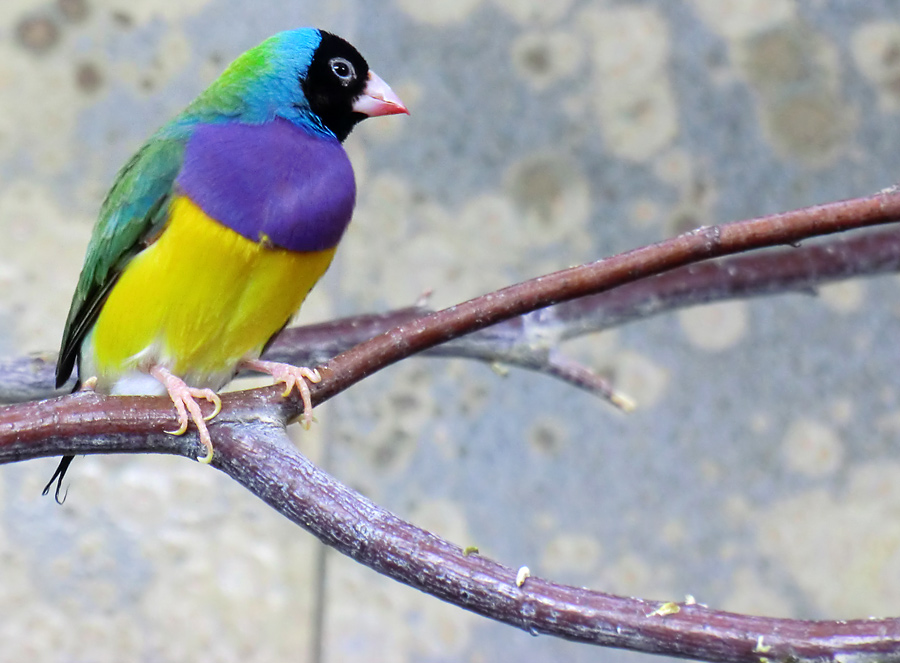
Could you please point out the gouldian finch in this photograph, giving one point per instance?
(217, 228)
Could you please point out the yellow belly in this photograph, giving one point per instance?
(197, 301)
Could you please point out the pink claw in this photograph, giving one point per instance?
(187, 407)
(292, 376)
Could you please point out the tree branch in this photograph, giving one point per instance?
(265, 461)
(532, 343)
(252, 448)
(698, 245)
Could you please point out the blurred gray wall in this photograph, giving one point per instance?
(762, 470)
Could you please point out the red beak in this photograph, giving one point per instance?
(378, 99)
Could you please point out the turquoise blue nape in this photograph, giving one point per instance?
(259, 85)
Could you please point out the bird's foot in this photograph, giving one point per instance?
(185, 400)
(90, 384)
(292, 376)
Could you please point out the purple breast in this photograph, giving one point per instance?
(272, 182)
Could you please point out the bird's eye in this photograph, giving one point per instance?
(343, 70)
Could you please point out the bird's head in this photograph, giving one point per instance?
(307, 76)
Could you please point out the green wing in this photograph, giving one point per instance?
(130, 219)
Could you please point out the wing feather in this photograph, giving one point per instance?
(130, 219)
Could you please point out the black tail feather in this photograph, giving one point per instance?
(58, 476)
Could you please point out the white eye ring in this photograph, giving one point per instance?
(342, 68)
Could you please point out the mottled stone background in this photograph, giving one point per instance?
(762, 470)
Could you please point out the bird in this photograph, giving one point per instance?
(215, 231)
